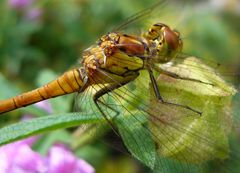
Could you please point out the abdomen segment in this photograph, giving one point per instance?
(71, 81)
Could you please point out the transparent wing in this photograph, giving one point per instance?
(161, 11)
(207, 137)
(165, 137)
(209, 72)
(143, 14)
(170, 137)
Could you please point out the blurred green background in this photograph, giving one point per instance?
(40, 39)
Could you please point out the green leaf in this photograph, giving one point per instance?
(211, 83)
(167, 165)
(205, 134)
(88, 133)
(137, 139)
(44, 124)
(42, 146)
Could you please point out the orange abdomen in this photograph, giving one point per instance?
(71, 81)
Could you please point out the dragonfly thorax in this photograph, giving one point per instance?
(115, 54)
(124, 55)
(164, 43)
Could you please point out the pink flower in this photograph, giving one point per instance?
(27, 8)
(20, 4)
(61, 159)
(45, 105)
(18, 157)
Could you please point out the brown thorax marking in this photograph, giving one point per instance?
(108, 43)
(96, 56)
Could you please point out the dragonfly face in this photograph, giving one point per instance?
(165, 42)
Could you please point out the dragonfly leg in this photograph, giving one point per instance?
(97, 101)
(102, 92)
(101, 102)
(159, 97)
(105, 90)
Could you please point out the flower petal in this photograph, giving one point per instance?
(28, 160)
(18, 4)
(62, 160)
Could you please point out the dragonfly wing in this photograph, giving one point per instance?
(196, 138)
(192, 68)
(160, 134)
(141, 15)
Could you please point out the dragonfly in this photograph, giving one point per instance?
(142, 82)
(116, 60)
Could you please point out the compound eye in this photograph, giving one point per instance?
(159, 25)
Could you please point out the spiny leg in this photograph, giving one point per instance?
(159, 97)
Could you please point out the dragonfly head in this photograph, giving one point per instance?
(164, 41)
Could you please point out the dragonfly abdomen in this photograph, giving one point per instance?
(71, 81)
